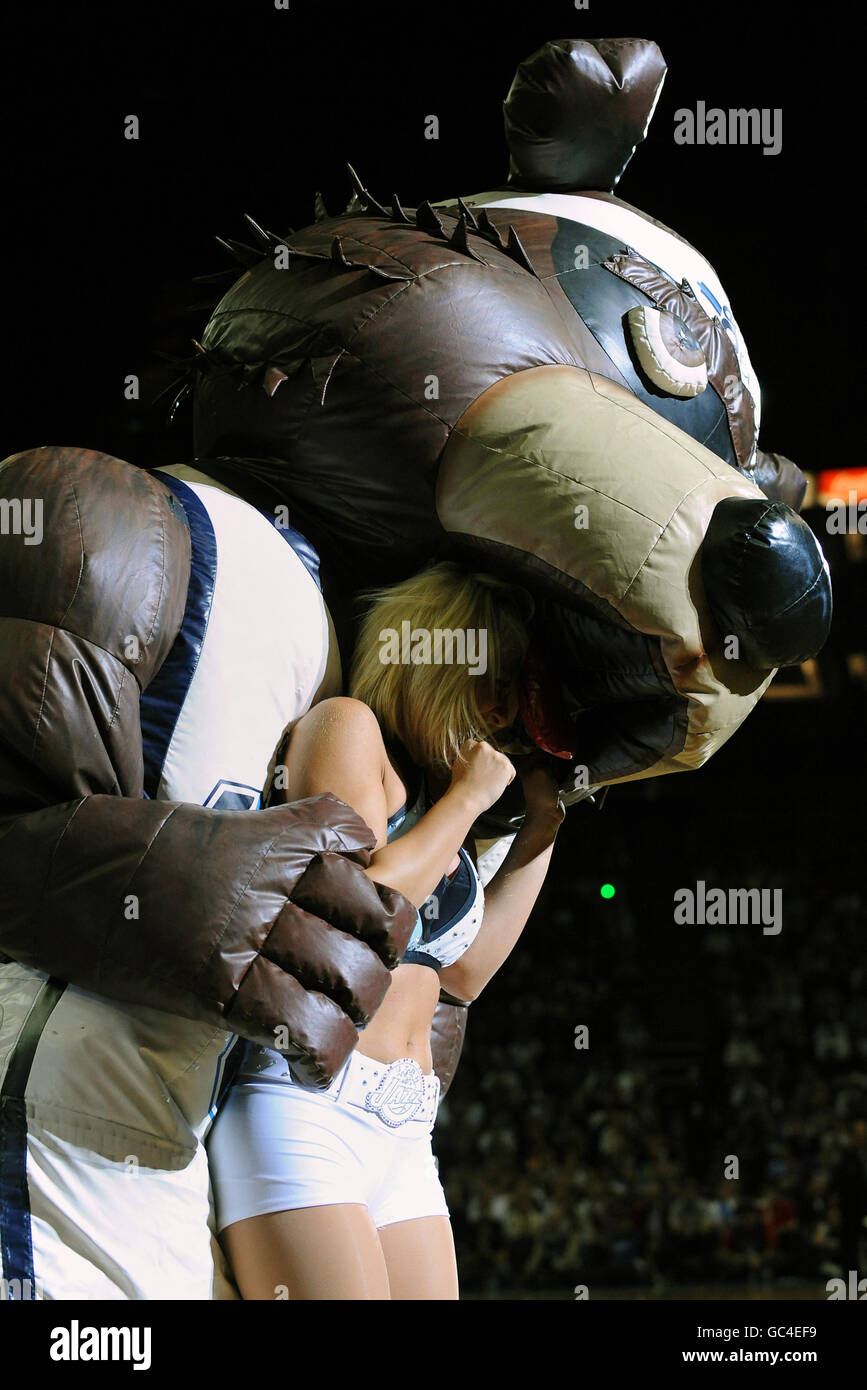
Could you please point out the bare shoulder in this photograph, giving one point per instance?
(345, 712)
(337, 747)
(341, 720)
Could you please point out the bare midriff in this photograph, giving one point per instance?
(401, 1027)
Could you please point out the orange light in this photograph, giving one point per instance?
(836, 484)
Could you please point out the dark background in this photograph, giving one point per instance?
(244, 108)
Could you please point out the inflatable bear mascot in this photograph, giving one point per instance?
(540, 380)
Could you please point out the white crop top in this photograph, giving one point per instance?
(450, 919)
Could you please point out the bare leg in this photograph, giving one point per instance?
(420, 1256)
(313, 1253)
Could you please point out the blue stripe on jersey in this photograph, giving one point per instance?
(218, 1088)
(162, 702)
(300, 544)
(16, 1240)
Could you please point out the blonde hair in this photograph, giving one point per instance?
(433, 709)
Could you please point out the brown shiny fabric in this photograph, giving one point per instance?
(722, 363)
(256, 920)
(447, 1041)
(780, 479)
(576, 110)
(536, 235)
(357, 349)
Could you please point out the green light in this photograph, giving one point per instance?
(607, 890)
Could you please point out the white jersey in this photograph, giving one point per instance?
(104, 1190)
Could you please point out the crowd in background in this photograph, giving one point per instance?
(713, 1129)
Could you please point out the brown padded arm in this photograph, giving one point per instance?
(195, 912)
(263, 921)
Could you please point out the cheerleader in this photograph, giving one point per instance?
(334, 1194)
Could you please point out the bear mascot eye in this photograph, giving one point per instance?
(668, 353)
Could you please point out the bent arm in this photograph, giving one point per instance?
(415, 864)
(509, 899)
(337, 747)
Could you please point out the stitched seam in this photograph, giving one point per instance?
(163, 549)
(73, 632)
(37, 1103)
(242, 892)
(42, 695)
(548, 468)
(660, 537)
(116, 710)
(795, 602)
(348, 236)
(38, 911)
(368, 367)
(750, 626)
(104, 954)
(81, 553)
(657, 425)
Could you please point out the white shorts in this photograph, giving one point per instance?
(278, 1146)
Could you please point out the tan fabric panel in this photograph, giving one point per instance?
(539, 444)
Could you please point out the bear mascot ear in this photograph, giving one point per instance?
(576, 110)
(767, 582)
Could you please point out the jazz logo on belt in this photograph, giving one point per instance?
(399, 1094)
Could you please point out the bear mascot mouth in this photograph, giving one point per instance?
(543, 710)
